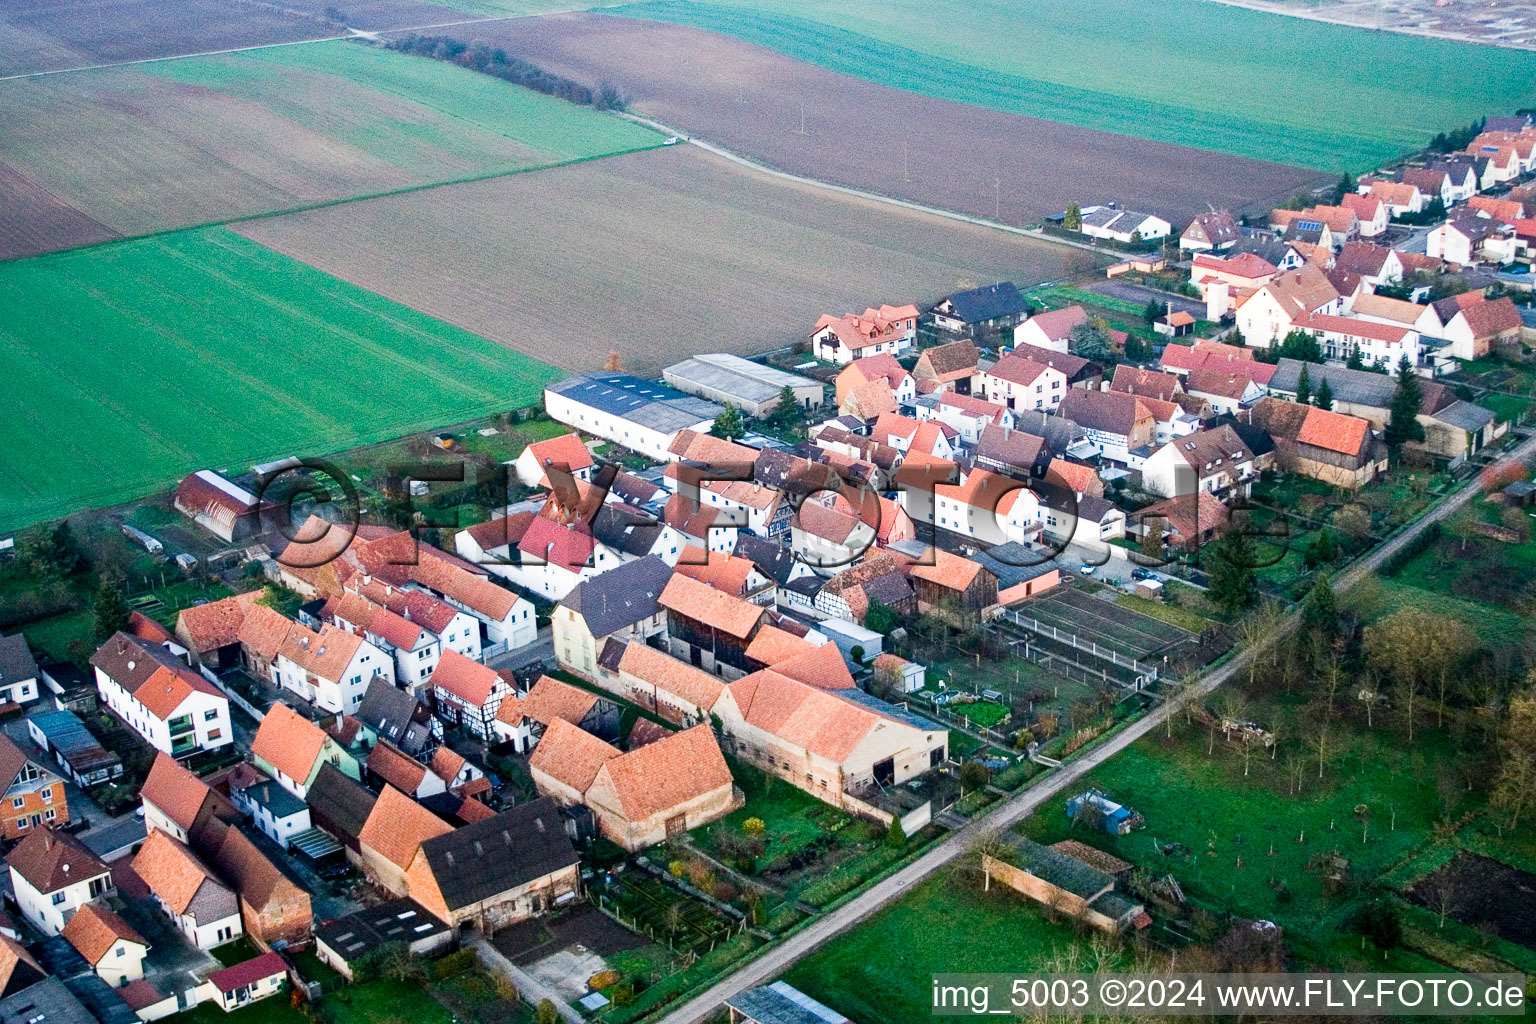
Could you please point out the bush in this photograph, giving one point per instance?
(454, 964)
(754, 826)
(546, 1013)
(677, 869)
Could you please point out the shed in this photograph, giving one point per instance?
(848, 635)
(79, 753)
(1152, 590)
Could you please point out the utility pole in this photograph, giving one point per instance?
(802, 120)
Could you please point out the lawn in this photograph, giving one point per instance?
(1283, 89)
(208, 139)
(1174, 615)
(1251, 847)
(878, 973)
(134, 363)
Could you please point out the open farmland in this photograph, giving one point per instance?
(658, 255)
(179, 143)
(51, 35)
(128, 365)
(933, 151)
(1181, 71)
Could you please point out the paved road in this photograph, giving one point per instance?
(776, 960)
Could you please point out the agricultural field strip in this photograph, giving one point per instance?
(750, 100)
(1275, 91)
(775, 960)
(1104, 630)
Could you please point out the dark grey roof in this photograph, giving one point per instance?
(773, 561)
(625, 529)
(1504, 123)
(402, 920)
(395, 715)
(635, 490)
(46, 1002)
(646, 402)
(1059, 432)
(212, 902)
(129, 660)
(621, 596)
(889, 588)
(338, 802)
(1357, 387)
(16, 661)
(1013, 563)
(1465, 415)
(69, 736)
(100, 1000)
(278, 801)
(481, 861)
(1060, 869)
(781, 1003)
(899, 714)
(982, 304)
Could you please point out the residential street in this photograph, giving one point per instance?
(780, 958)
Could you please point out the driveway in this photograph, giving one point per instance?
(540, 652)
(1141, 295)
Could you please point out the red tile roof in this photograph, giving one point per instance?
(565, 451)
(667, 774)
(95, 930)
(724, 612)
(175, 791)
(571, 755)
(50, 860)
(1334, 431)
(288, 742)
(397, 825)
(396, 767)
(948, 570)
(465, 678)
(248, 972)
(689, 684)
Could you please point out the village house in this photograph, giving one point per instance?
(824, 537)
(889, 330)
(1117, 423)
(246, 982)
(497, 871)
(187, 892)
(391, 837)
(1022, 573)
(838, 745)
(1270, 314)
(1127, 227)
(390, 713)
(640, 798)
(1018, 382)
(953, 588)
(108, 943)
(1370, 212)
(225, 510)
(523, 720)
(565, 454)
(1328, 446)
(951, 367)
(641, 415)
(274, 909)
(179, 803)
(387, 764)
(869, 371)
(979, 313)
(988, 507)
(1217, 461)
(53, 875)
(276, 813)
(1375, 264)
(1050, 329)
(1189, 521)
(623, 603)
(329, 667)
(1472, 238)
(1378, 344)
(1225, 392)
(34, 797)
(967, 415)
(708, 629)
(74, 749)
(415, 648)
(18, 671)
(340, 806)
(292, 750)
(174, 708)
(1216, 231)
(1479, 329)
(468, 694)
(1398, 313)
(1401, 198)
(1241, 274)
(849, 596)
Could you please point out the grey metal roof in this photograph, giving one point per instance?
(314, 843)
(621, 596)
(625, 529)
(870, 702)
(278, 801)
(781, 1003)
(488, 858)
(648, 403)
(402, 920)
(1059, 431)
(1465, 415)
(69, 736)
(740, 389)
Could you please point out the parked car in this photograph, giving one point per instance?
(1143, 574)
(1087, 570)
(671, 140)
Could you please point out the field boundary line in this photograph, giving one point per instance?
(859, 193)
(324, 204)
(776, 959)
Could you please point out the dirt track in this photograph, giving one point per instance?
(970, 159)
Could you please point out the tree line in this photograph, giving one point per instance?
(479, 56)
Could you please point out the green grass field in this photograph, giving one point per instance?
(1180, 71)
(131, 364)
(205, 139)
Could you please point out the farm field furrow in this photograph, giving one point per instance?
(952, 155)
(132, 364)
(1182, 71)
(180, 143)
(657, 255)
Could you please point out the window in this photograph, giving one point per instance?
(120, 951)
(21, 822)
(59, 898)
(49, 814)
(210, 714)
(214, 734)
(48, 795)
(18, 801)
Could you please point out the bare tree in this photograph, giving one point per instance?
(1321, 742)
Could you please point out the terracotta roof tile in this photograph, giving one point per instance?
(948, 570)
(50, 860)
(288, 742)
(397, 825)
(724, 612)
(396, 767)
(566, 451)
(174, 790)
(171, 871)
(1334, 431)
(571, 755)
(691, 685)
(667, 774)
(216, 624)
(726, 573)
(465, 678)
